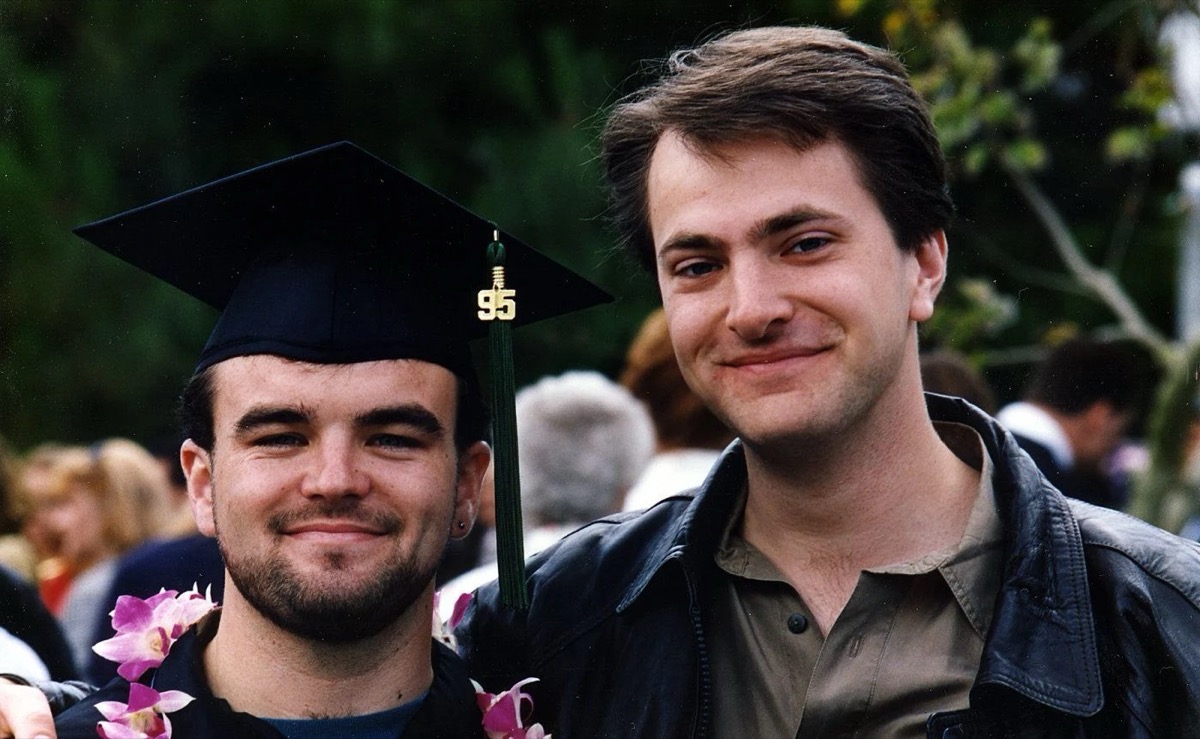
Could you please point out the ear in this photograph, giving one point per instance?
(197, 468)
(472, 466)
(930, 257)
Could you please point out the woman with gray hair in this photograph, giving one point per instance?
(582, 441)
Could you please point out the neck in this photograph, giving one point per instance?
(886, 491)
(250, 658)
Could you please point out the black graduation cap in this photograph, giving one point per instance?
(335, 256)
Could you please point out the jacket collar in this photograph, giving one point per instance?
(1042, 642)
(693, 536)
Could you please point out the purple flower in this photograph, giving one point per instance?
(146, 629)
(504, 715)
(143, 717)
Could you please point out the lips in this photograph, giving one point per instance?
(774, 356)
(334, 527)
(334, 518)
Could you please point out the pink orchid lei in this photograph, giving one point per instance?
(146, 629)
(504, 714)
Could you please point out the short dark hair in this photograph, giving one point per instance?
(1080, 372)
(805, 85)
(196, 411)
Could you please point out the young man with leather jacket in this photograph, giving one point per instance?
(865, 560)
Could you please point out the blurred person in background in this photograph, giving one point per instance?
(18, 658)
(31, 641)
(1077, 407)
(15, 550)
(582, 440)
(34, 481)
(178, 558)
(949, 373)
(98, 502)
(32, 644)
(1191, 470)
(689, 436)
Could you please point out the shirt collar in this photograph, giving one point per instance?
(971, 567)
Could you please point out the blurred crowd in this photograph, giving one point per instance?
(80, 525)
(74, 520)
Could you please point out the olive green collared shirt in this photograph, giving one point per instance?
(906, 645)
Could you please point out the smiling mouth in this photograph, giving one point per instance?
(335, 519)
(334, 528)
(767, 359)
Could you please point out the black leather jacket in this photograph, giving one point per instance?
(1096, 629)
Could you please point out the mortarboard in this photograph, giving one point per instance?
(335, 256)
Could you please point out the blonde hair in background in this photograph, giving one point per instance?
(129, 483)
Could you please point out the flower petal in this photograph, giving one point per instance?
(131, 613)
(172, 700)
(109, 730)
(112, 709)
(141, 697)
(133, 669)
(460, 609)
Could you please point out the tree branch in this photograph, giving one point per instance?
(1099, 282)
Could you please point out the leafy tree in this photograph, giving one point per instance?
(988, 101)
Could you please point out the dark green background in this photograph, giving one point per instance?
(109, 104)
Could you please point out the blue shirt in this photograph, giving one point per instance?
(387, 724)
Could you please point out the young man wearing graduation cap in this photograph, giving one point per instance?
(335, 438)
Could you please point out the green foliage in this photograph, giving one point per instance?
(970, 314)
(108, 104)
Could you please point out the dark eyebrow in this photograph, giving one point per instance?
(271, 415)
(791, 219)
(688, 242)
(410, 414)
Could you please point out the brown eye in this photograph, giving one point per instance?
(695, 269)
(397, 442)
(808, 244)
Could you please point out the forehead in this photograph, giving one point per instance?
(243, 382)
(752, 175)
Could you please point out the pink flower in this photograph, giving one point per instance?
(444, 632)
(144, 717)
(504, 715)
(460, 610)
(146, 629)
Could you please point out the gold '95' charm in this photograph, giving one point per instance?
(498, 303)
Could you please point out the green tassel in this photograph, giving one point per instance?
(510, 535)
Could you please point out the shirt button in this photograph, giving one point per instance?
(797, 623)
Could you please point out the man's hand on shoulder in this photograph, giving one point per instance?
(24, 712)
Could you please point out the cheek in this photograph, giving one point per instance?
(686, 317)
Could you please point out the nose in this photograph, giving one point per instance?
(337, 472)
(758, 301)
